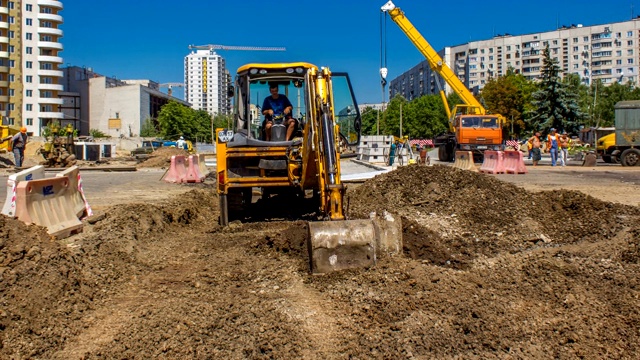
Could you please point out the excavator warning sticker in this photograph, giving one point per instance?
(225, 135)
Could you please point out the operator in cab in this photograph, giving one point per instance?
(277, 105)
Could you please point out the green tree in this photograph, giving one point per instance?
(149, 129)
(369, 118)
(424, 117)
(555, 106)
(503, 96)
(176, 119)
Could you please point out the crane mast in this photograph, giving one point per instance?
(436, 62)
(226, 47)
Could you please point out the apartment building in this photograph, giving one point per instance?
(206, 80)
(609, 53)
(30, 82)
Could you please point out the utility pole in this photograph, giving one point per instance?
(400, 120)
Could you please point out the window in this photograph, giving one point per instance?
(618, 52)
(47, 38)
(555, 42)
(29, 107)
(575, 66)
(575, 48)
(575, 57)
(11, 5)
(12, 78)
(12, 49)
(619, 62)
(629, 33)
(11, 121)
(12, 34)
(29, 121)
(46, 24)
(29, 50)
(11, 107)
(29, 8)
(29, 36)
(585, 39)
(12, 92)
(508, 47)
(575, 40)
(29, 65)
(12, 20)
(29, 93)
(46, 11)
(630, 52)
(29, 79)
(630, 42)
(29, 22)
(630, 70)
(12, 63)
(629, 61)
(618, 71)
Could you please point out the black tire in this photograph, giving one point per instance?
(615, 159)
(442, 152)
(630, 157)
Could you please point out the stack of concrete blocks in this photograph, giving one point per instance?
(373, 148)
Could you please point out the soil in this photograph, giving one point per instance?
(161, 158)
(489, 270)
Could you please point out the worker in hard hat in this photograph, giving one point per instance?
(180, 144)
(18, 143)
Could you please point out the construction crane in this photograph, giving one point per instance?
(225, 47)
(171, 85)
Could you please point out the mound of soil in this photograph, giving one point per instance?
(161, 158)
(489, 270)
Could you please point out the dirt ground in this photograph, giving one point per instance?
(489, 270)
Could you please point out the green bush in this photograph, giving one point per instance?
(97, 133)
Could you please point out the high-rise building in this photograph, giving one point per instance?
(206, 80)
(608, 53)
(30, 78)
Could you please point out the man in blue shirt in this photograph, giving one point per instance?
(276, 105)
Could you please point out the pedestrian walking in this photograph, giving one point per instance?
(18, 144)
(553, 143)
(564, 148)
(536, 155)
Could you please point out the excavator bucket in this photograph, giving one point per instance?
(347, 244)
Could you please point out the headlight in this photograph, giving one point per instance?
(253, 71)
(299, 70)
(289, 71)
(263, 71)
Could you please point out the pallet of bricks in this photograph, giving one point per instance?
(374, 148)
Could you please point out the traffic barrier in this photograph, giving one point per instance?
(193, 171)
(78, 199)
(33, 173)
(48, 203)
(177, 172)
(464, 161)
(203, 166)
(514, 162)
(493, 162)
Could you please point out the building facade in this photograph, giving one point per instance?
(206, 80)
(608, 53)
(30, 75)
(118, 108)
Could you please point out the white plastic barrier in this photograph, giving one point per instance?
(80, 203)
(33, 173)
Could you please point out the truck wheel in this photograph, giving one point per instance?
(630, 157)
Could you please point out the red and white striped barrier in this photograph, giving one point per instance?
(33, 173)
(493, 162)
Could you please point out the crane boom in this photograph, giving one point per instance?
(226, 47)
(435, 61)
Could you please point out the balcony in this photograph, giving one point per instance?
(4, 25)
(52, 101)
(4, 98)
(47, 58)
(4, 10)
(50, 31)
(51, 115)
(50, 45)
(4, 83)
(51, 3)
(4, 54)
(53, 73)
(50, 17)
(4, 69)
(56, 87)
(4, 40)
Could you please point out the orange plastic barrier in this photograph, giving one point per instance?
(193, 171)
(177, 172)
(80, 203)
(47, 202)
(32, 173)
(464, 161)
(493, 162)
(514, 162)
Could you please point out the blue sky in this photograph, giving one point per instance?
(148, 39)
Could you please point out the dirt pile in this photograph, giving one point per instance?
(161, 158)
(489, 270)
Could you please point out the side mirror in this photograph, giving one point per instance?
(230, 91)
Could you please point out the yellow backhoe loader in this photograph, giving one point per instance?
(324, 113)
